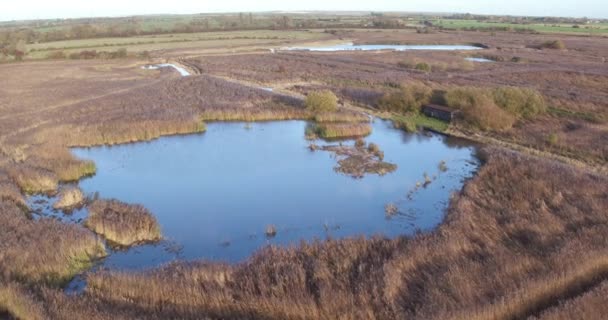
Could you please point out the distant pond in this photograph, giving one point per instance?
(375, 47)
(215, 193)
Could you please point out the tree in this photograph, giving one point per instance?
(409, 98)
(322, 101)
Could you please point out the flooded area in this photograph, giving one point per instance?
(216, 194)
(182, 71)
(482, 60)
(376, 47)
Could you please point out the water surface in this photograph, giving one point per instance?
(182, 71)
(473, 59)
(215, 193)
(375, 47)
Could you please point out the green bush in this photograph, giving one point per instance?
(554, 44)
(423, 66)
(409, 99)
(479, 109)
(521, 102)
(322, 101)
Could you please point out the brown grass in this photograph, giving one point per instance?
(69, 197)
(510, 247)
(591, 305)
(499, 255)
(33, 180)
(44, 251)
(122, 224)
(333, 130)
(18, 303)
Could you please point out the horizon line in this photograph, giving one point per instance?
(296, 12)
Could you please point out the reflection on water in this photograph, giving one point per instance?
(214, 194)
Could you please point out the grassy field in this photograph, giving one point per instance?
(203, 40)
(595, 28)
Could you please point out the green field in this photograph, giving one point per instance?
(202, 40)
(596, 28)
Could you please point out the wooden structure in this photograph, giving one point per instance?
(440, 112)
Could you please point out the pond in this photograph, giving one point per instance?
(182, 71)
(375, 47)
(473, 59)
(215, 193)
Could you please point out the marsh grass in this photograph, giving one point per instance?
(69, 197)
(239, 114)
(43, 251)
(19, 303)
(33, 180)
(120, 132)
(341, 116)
(411, 123)
(338, 130)
(122, 224)
(499, 255)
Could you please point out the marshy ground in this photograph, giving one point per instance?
(525, 238)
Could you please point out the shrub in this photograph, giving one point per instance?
(423, 66)
(553, 139)
(409, 99)
(522, 102)
(479, 109)
(373, 148)
(322, 101)
(553, 44)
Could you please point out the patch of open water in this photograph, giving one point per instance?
(215, 193)
(375, 47)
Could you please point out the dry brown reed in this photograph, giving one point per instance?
(122, 224)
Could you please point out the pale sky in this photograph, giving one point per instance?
(42, 9)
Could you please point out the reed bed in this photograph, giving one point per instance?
(43, 251)
(499, 255)
(122, 132)
(590, 305)
(33, 180)
(342, 116)
(338, 130)
(251, 115)
(19, 303)
(69, 197)
(122, 224)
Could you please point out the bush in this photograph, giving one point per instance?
(553, 44)
(409, 99)
(479, 109)
(423, 66)
(322, 101)
(521, 102)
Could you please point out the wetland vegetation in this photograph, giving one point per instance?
(264, 220)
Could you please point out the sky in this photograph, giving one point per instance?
(43, 9)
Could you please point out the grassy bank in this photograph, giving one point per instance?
(412, 123)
